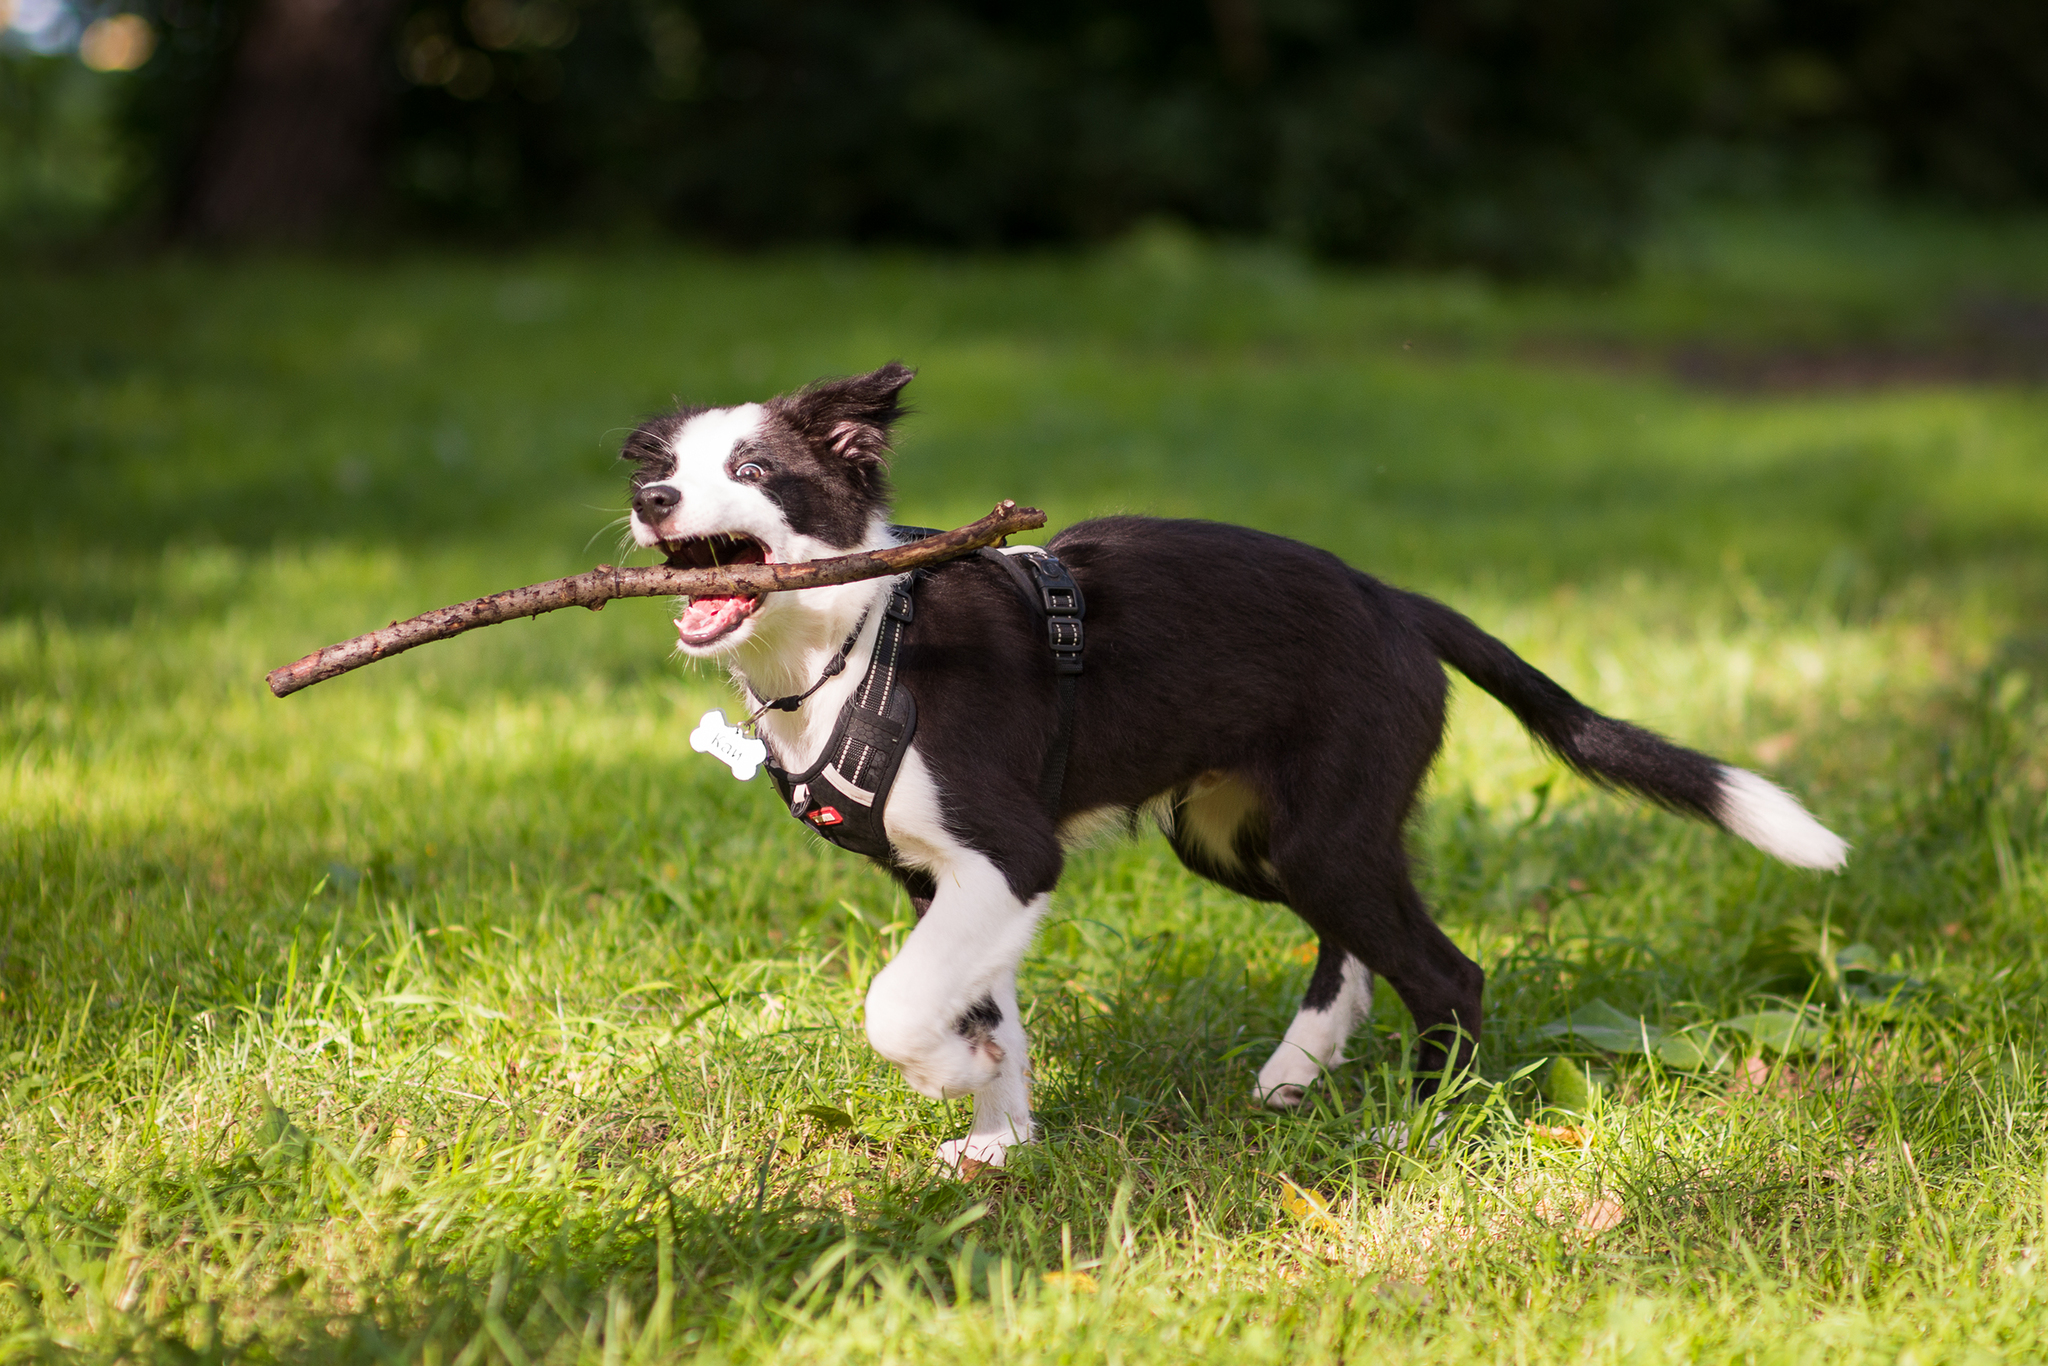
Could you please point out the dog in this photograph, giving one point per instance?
(1274, 710)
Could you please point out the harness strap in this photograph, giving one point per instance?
(1049, 589)
(842, 795)
(1054, 781)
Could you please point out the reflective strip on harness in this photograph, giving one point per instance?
(845, 785)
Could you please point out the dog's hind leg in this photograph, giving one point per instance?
(1339, 996)
(1219, 827)
(945, 1009)
(1349, 880)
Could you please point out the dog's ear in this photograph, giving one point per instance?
(849, 418)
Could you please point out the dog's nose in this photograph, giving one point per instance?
(655, 502)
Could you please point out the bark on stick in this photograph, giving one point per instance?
(600, 585)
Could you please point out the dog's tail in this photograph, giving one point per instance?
(1617, 754)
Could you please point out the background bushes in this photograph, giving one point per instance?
(1522, 135)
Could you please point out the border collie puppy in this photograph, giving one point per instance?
(1272, 708)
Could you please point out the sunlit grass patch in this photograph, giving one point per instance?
(455, 1011)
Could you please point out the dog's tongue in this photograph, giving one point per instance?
(706, 619)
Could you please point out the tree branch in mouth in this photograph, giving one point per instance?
(599, 586)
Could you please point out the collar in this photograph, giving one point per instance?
(833, 668)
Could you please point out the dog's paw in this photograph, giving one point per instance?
(969, 1156)
(1284, 1081)
(1284, 1095)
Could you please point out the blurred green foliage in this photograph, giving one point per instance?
(1524, 137)
(1511, 134)
(63, 163)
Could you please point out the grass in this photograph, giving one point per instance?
(455, 1012)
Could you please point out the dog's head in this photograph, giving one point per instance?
(796, 478)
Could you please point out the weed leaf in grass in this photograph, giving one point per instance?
(1689, 1054)
(1882, 994)
(1601, 1025)
(831, 1116)
(1781, 1031)
(1786, 960)
(1567, 1087)
(1886, 995)
(1608, 1029)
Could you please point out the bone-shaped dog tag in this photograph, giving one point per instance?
(718, 737)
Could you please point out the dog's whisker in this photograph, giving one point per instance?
(625, 521)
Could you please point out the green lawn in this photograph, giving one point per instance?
(455, 1011)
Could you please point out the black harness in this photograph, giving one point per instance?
(843, 795)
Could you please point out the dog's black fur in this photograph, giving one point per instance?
(1214, 648)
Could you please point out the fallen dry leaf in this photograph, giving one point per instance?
(1564, 1135)
(1307, 1205)
(1069, 1280)
(1751, 1075)
(1602, 1214)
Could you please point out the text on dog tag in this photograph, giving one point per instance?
(718, 737)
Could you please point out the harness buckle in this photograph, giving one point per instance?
(1058, 594)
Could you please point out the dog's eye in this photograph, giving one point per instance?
(750, 471)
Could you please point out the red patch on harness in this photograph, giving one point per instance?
(826, 815)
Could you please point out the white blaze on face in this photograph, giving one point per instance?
(710, 502)
(713, 503)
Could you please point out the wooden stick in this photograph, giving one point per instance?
(600, 585)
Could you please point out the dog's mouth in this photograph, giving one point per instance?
(707, 620)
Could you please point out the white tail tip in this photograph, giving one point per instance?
(1772, 819)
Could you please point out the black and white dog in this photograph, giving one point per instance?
(1273, 709)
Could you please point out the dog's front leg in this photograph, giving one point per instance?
(945, 1009)
(1002, 1107)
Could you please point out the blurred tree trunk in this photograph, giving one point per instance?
(1239, 40)
(289, 149)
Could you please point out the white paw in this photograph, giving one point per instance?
(1284, 1095)
(1284, 1081)
(969, 1155)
